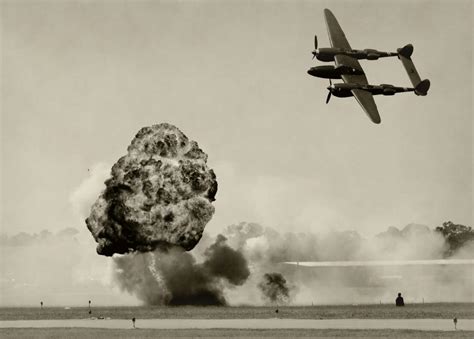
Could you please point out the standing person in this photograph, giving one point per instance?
(455, 321)
(90, 311)
(399, 301)
(41, 303)
(133, 322)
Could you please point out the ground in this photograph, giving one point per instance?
(414, 311)
(137, 333)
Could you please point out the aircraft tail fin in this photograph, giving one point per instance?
(422, 87)
(406, 51)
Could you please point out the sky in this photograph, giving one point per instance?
(80, 78)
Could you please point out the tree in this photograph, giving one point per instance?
(456, 235)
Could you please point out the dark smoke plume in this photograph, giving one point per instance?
(173, 277)
(274, 288)
(158, 195)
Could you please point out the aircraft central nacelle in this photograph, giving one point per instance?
(333, 72)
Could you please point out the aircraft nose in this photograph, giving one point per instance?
(311, 71)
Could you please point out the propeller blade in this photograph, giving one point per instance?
(328, 97)
(315, 42)
(314, 56)
(330, 82)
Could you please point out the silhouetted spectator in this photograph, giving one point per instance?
(41, 305)
(399, 301)
(133, 321)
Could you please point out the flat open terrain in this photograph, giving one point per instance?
(415, 311)
(244, 324)
(282, 333)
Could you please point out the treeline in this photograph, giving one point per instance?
(456, 236)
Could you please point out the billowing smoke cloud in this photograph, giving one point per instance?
(274, 288)
(173, 277)
(158, 195)
(267, 249)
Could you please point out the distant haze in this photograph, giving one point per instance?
(245, 269)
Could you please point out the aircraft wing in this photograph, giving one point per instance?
(338, 40)
(366, 100)
(335, 32)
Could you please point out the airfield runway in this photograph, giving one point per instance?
(371, 324)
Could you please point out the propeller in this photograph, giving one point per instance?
(328, 97)
(330, 93)
(315, 45)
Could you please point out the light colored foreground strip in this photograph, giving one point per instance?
(413, 324)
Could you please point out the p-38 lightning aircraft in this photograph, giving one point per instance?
(349, 69)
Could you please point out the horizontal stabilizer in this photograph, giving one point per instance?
(422, 88)
(411, 70)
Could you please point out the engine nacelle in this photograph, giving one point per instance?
(372, 56)
(389, 91)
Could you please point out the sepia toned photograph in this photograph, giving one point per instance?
(242, 169)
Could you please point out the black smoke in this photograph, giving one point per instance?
(158, 195)
(274, 288)
(174, 277)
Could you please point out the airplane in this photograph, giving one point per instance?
(350, 71)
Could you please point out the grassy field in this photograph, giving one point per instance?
(415, 311)
(103, 333)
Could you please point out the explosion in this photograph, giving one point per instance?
(173, 277)
(158, 195)
(274, 288)
(154, 208)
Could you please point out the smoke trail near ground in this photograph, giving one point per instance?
(173, 277)
(230, 271)
(158, 195)
(267, 249)
(274, 288)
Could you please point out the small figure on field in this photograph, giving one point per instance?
(41, 303)
(455, 321)
(399, 301)
(133, 322)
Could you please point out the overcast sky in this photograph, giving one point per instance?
(79, 79)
